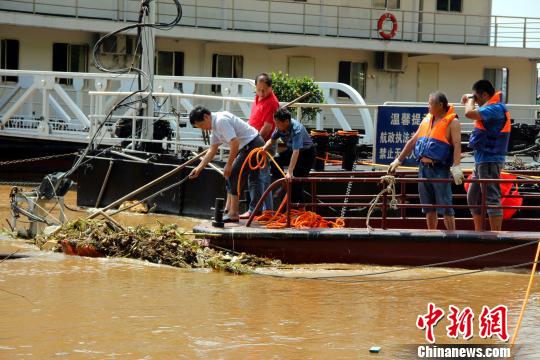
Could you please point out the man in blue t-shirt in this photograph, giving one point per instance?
(300, 154)
(489, 140)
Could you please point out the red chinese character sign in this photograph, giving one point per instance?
(494, 322)
(461, 322)
(491, 322)
(428, 321)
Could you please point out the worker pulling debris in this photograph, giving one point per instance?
(241, 137)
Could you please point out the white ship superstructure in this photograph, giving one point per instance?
(218, 45)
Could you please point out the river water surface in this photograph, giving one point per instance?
(57, 306)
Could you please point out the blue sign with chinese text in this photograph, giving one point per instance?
(395, 126)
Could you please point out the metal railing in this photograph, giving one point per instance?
(288, 17)
(183, 103)
(43, 103)
(404, 199)
(57, 105)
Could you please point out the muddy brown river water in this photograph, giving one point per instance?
(57, 306)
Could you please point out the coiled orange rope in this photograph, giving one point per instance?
(300, 219)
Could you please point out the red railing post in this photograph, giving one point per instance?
(288, 202)
(484, 210)
(403, 199)
(261, 200)
(384, 210)
(313, 196)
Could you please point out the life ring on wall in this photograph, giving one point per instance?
(387, 35)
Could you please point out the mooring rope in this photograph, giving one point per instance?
(526, 299)
(390, 181)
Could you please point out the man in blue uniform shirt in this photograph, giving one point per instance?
(300, 153)
(489, 140)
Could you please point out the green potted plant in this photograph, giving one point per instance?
(288, 88)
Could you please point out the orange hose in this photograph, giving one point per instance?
(300, 219)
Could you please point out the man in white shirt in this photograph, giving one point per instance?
(241, 138)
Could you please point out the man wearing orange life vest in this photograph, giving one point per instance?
(489, 140)
(436, 145)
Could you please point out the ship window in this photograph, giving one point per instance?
(9, 58)
(227, 66)
(449, 5)
(69, 58)
(386, 4)
(170, 63)
(499, 79)
(353, 74)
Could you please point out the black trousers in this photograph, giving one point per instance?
(303, 166)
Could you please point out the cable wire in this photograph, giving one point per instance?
(439, 264)
(99, 65)
(352, 282)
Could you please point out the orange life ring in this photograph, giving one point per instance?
(385, 34)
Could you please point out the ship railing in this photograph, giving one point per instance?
(350, 21)
(236, 96)
(303, 18)
(56, 125)
(397, 214)
(21, 123)
(183, 103)
(66, 96)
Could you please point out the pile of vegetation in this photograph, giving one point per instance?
(166, 244)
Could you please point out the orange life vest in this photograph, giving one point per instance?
(432, 142)
(494, 138)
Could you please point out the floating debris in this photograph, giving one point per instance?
(134, 207)
(167, 244)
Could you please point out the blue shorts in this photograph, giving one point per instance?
(436, 193)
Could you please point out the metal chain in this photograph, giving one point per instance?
(19, 183)
(348, 192)
(20, 161)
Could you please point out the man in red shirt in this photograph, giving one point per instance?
(264, 107)
(262, 119)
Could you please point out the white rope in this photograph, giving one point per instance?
(390, 181)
